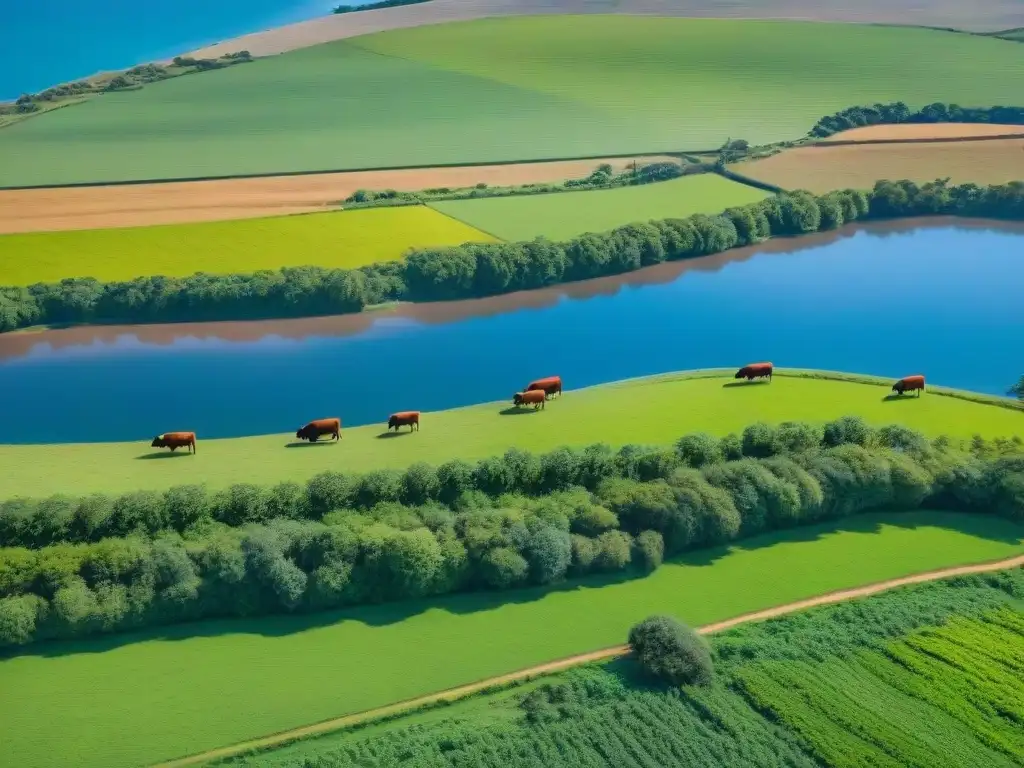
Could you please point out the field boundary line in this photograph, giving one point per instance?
(825, 144)
(368, 169)
(454, 694)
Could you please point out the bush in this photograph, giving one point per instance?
(699, 449)
(650, 549)
(669, 650)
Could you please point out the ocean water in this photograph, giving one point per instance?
(939, 300)
(46, 42)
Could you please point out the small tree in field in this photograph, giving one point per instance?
(1017, 390)
(670, 650)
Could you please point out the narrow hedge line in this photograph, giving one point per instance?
(388, 536)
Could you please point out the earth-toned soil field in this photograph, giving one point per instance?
(44, 210)
(597, 86)
(568, 214)
(337, 239)
(980, 15)
(642, 411)
(823, 168)
(911, 132)
(175, 691)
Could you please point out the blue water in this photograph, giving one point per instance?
(46, 42)
(940, 301)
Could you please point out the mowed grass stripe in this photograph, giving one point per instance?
(344, 239)
(140, 699)
(656, 410)
(566, 215)
(507, 89)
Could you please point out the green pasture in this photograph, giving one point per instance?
(507, 89)
(655, 410)
(141, 698)
(569, 214)
(338, 239)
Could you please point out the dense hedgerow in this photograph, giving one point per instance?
(898, 112)
(484, 269)
(100, 564)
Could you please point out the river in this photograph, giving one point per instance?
(940, 298)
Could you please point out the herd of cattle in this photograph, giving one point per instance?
(536, 394)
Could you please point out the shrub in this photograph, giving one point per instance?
(669, 650)
(699, 449)
(650, 548)
(503, 567)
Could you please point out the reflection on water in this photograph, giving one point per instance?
(941, 299)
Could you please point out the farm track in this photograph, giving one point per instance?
(181, 202)
(460, 692)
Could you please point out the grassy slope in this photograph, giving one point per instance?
(185, 691)
(654, 410)
(505, 89)
(339, 239)
(568, 214)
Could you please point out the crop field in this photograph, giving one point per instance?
(642, 411)
(824, 168)
(595, 86)
(566, 215)
(952, 696)
(932, 695)
(178, 690)
(924, 132)
(339, 239)
(62, 208)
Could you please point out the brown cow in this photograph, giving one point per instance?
(410, 419)
(315, 429)
(535, 397)
(755, 371)
(174, 440)
(551, 385)
(909, 384)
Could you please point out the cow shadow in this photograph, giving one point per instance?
(168, 455)
(390, 434)
(894, 398)
(306, 444)
(517, 411)
(755, 383)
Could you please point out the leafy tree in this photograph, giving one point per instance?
(671, 651)
(503, 567)
(650, 547)
(698, 449)
(549, 554)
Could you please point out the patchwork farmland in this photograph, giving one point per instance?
(463, 594)
(680, 85)
(570, 214)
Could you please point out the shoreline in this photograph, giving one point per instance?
(19, 343)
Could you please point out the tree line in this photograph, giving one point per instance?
(485, 269)
(512, 521)
(898, 112)
(375, 6)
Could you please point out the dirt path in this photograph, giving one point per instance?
(136, 205)
(584, 658)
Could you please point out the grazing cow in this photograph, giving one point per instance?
(174, 440)
(755, 371)
(315, 429)
(410, 419)
(534, 397)
(909, 384)
(551, 385)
